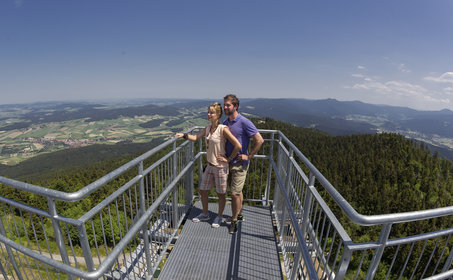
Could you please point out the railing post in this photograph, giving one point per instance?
(286, 185)
(344, 263)
(83, 237)
(269, 171)
(10, 252)
(175, 191)
(141, 211)
(307, 203)
(385, 232)
(57, 231)
(189, 175)
(200, 162)
(276, 202)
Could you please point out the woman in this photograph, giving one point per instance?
(217, 170)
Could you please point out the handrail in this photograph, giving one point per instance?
(441, 276)
(79, 223)
(111, 258)
(300, 237)
(366, 220)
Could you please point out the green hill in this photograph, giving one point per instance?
(376, 173)
(45, 165)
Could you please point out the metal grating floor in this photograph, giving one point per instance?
(203, 252)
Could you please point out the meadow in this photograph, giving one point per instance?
(27, 141)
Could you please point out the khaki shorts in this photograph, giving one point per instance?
(236, 178)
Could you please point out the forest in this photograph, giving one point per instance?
(377, 173)
(381, 174)
(46, 166)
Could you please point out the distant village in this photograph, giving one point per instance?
(70, 142)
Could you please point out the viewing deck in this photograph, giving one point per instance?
(203, 252)
(143, 210)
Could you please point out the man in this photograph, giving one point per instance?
(243, 129)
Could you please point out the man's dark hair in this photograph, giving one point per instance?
(234, 100)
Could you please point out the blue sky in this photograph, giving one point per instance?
(383, 52)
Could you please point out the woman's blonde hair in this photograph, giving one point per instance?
(217, 108)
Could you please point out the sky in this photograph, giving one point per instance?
(390, 52)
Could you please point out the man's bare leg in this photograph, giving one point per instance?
(235, 205)
(241, 196)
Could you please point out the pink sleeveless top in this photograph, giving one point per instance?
(215, 144)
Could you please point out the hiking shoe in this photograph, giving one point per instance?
(240, 218)
(233, 227)
(201, 217)
(217, 222)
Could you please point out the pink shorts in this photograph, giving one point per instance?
(215, 175)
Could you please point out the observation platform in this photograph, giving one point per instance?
(143, 206)
(203, 252)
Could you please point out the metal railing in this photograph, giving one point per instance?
(302, 213)
(127, 233)
(124, 235)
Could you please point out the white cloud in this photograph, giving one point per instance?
(399, 88)
(446, 77)
(448, 90)
(405, 88)
(402, 67)
(372, 85)
(419, 95)
(360, 67)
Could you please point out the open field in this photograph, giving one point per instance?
(27, 130)
(33, 138)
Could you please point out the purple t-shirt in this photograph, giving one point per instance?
(243, 129)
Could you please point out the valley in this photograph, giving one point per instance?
(28, 130)
(19, 144)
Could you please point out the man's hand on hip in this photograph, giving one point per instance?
(243, 157)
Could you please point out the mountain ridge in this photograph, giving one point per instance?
(355, 117)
